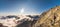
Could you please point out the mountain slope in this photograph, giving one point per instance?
(51, 18)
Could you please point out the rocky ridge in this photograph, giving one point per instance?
(50, 18)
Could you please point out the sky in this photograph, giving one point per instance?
(26, 6)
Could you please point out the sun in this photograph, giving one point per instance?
(22, 10)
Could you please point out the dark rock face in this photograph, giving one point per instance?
(26, 24)
(12, 16)
(36, 16)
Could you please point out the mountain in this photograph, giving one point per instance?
(18, 20)
(28, 23)
(50, 18)
(12, 20)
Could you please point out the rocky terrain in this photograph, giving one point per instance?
(50, 18)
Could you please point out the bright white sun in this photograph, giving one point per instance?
(22, 10)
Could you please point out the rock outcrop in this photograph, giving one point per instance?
(50, 18)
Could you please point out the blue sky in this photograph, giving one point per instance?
(29, 6)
